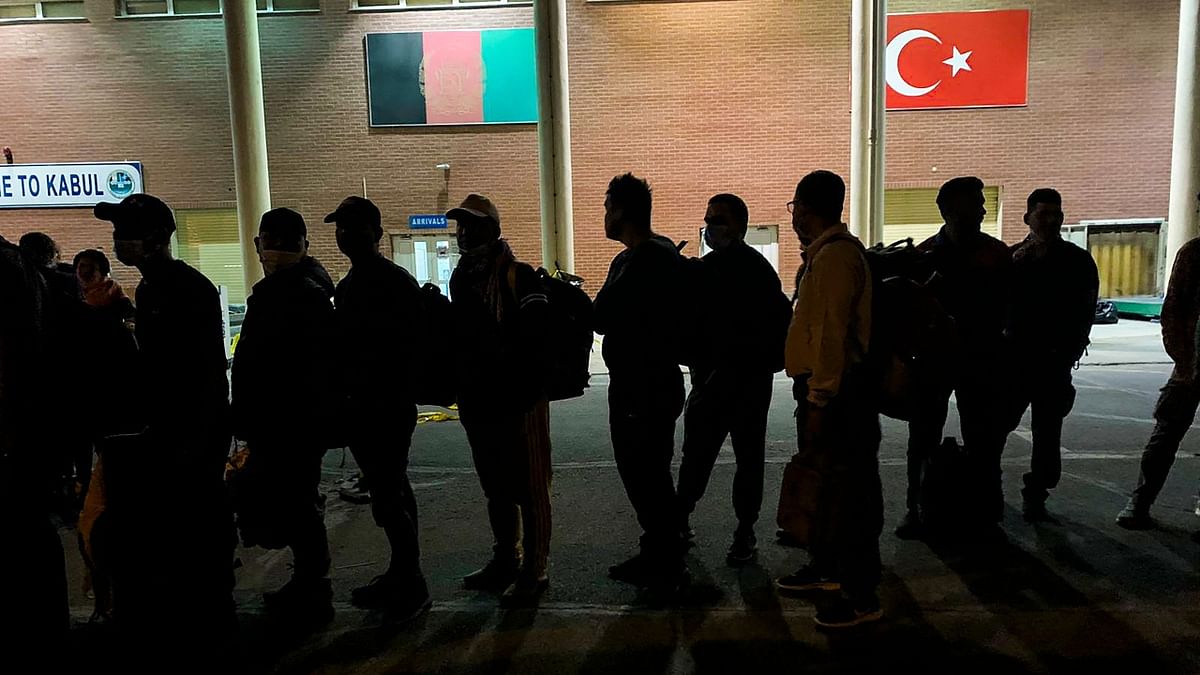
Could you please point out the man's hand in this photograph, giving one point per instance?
(8, 155)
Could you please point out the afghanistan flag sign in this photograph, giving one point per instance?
(451, 78)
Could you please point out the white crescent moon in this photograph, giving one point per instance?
(892, 58)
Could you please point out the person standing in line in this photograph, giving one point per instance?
(638, 311)
(1055, 287)
(743, 323)
(502, 348)
(283, 379)
(379, 311)
(837, 423)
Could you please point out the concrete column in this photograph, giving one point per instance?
(244, 67)
(867, 118)
(1183, 221)
(554, 134)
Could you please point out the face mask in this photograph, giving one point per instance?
(129, 251)
(273, 261)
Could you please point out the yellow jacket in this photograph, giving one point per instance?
(831, 327)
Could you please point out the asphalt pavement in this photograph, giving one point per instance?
(1081, 595)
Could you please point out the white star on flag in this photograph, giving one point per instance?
(958, 62)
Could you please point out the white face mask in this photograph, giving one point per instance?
(273, 261)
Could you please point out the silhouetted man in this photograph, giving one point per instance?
(65, 328)
(170, 485)
(283, 383)
(35, 618)
(501, 352)
(379, 312)
(1055, 284)
(1176, 408)
(743, 324)
(638, 311)
(837, 423)
(974, 276)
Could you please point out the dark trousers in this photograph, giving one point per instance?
(845, 542)
(1173, 416)
(725, 404)
(35, 621)
(1046, 391)
(166, 490)
(512, 458)
(642, 414)
(980, 396)
(288, 479)
(380, 440)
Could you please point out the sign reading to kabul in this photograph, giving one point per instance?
(45, 186)
(957, 60)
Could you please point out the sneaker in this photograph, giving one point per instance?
(388, 591)
(524, 592)
(743, 548)
(844, 614)
(911, 527)
(1134, 519)
(687, 535)
(495, 576)
(633, 571)
(807, 579)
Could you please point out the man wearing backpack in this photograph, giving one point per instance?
(1055, 288)
(744, 318)
(378, 306)
(837, 423)
(638, 311)
(972, 280)
(502, 353)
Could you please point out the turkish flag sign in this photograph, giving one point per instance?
(957, 59)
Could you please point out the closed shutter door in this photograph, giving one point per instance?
(913, 213)
(208, 241)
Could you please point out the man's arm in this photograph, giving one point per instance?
(1086, 306)
(1181, 292)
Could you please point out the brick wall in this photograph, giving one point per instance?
(156, 91)
(740, 95)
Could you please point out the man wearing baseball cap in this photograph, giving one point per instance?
(378, 305)
(283, 380)
(501, 352)
(174, 490)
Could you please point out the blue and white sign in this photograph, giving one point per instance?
(47, 186)
(430, 222)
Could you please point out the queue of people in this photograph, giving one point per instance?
(314, 369)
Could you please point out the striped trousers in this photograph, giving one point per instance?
(512, 459)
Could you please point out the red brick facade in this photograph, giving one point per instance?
(702, 97)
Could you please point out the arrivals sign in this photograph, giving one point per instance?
(41, 186)
(957, 59)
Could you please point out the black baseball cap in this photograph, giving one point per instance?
(137, 216)
(357, 211)
(284, 223)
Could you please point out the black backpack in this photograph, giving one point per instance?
(571, 332)
(914, 340)
(433, 385)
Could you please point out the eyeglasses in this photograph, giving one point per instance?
(791, 207)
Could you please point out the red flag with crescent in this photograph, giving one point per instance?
(957, 59)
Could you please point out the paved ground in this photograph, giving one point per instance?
(1079, 596)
